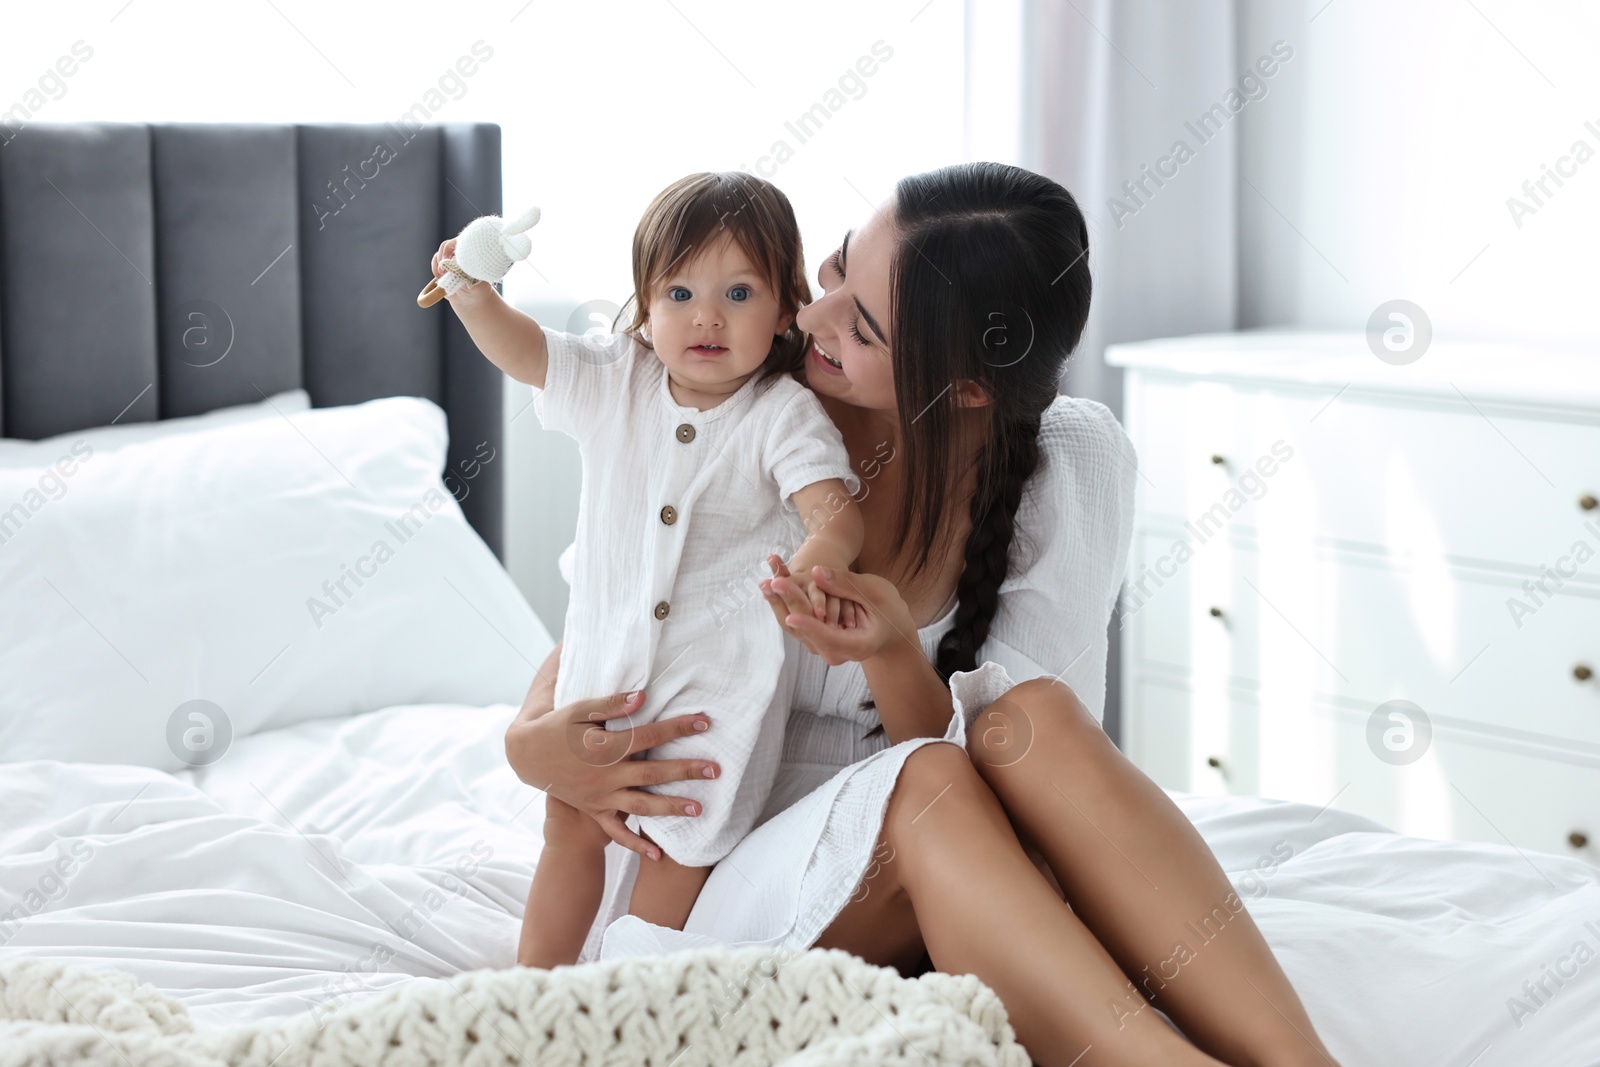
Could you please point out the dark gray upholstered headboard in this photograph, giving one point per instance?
(298, 250)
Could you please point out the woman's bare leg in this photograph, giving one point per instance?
(985, 909)
(1140, 876)
(878, 923)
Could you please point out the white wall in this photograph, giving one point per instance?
(1392, 143)
(905, 117)
(602, 104)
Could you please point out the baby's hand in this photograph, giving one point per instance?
(841, 613)
(447, 250)
(806, 584)
(870, 616)
(467, 295)
(779, 607)
(836, 610)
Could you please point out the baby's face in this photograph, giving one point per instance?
(713, 318)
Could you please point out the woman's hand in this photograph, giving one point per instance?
(865, 613)
(807, 596)
(568, 753)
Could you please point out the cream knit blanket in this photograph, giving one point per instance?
(714, 1007)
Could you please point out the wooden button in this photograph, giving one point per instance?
(686, 433)
(662, 609)
(669, 514)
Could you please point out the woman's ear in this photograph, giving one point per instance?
(970, 394)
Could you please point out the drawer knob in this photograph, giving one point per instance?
(1216, 612)
(1578, 839)
(1218, 460)
(1214, 762)
(1582, 672)
(1587, 502)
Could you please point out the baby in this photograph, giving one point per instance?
(701, 456)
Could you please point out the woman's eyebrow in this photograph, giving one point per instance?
(844, 250)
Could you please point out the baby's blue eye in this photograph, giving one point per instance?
(739, 292)
(678, 293)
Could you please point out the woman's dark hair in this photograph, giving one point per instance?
(695, 212)
(989, 283)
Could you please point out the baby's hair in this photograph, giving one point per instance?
(695, 212)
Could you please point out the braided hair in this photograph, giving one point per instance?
(1003, 470)
(990, 284)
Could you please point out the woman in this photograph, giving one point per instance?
(1026, 850)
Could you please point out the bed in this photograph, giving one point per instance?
(223, 316)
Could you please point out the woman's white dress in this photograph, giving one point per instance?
(786, 881)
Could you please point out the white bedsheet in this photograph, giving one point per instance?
(335, 857)
(309, 865)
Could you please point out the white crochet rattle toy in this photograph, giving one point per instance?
(485, 251)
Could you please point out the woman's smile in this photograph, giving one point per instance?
(824, 360)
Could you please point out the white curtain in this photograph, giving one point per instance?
(1096, 93)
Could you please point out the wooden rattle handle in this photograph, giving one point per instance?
(431, 294)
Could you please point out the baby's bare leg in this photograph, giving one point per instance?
(665, 891)
(567, 887)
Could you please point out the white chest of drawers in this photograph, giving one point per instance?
(1319, 533)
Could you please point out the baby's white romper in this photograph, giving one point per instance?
(677, 513)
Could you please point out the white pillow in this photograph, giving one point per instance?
(15, 452)
(273, 570)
